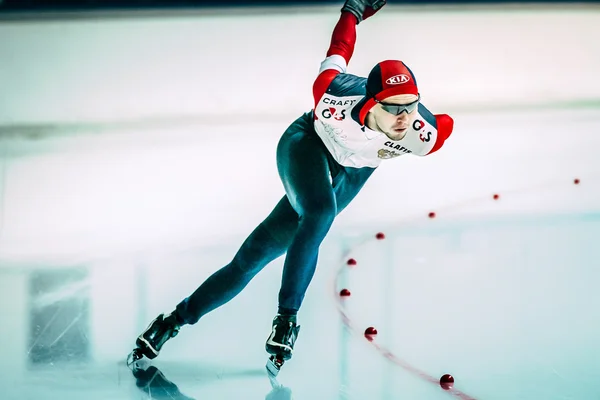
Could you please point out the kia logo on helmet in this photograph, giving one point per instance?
(397, 79)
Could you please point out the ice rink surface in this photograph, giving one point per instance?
(501, 293)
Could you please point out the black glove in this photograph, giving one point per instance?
(363, 9)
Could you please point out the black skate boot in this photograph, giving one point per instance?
(280, 343)
(150, 342)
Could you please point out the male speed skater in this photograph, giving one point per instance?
(323, 158)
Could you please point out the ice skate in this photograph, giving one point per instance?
(150, 342)
(280, 343)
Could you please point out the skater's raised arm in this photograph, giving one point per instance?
(342, 42)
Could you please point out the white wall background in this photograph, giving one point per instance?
(128, 139)
(261, 65)
(111, 193)
(159, 122)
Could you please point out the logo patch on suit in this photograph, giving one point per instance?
(418, 125)
(332, 112)
(387, 154)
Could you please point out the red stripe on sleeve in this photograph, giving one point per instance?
(445, 125)
(342, 43)
(343, 38)
(322, 83)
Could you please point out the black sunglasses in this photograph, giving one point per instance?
(397, 109)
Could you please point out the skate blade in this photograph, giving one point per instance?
(272, 369)
(274, 366)
(135, 359)
(274, 382)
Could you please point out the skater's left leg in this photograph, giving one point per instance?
(304, 170)
(319, 189)
(300, 264)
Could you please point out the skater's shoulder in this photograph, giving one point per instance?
(347, 85)
(443, 123)
(431, 129)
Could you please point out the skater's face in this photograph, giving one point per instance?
(393, 115)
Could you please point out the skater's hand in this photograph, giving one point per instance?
(363, 9)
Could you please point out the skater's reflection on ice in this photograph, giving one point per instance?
(279, 391)
(152, 382)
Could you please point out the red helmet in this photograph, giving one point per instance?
(388, 78)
